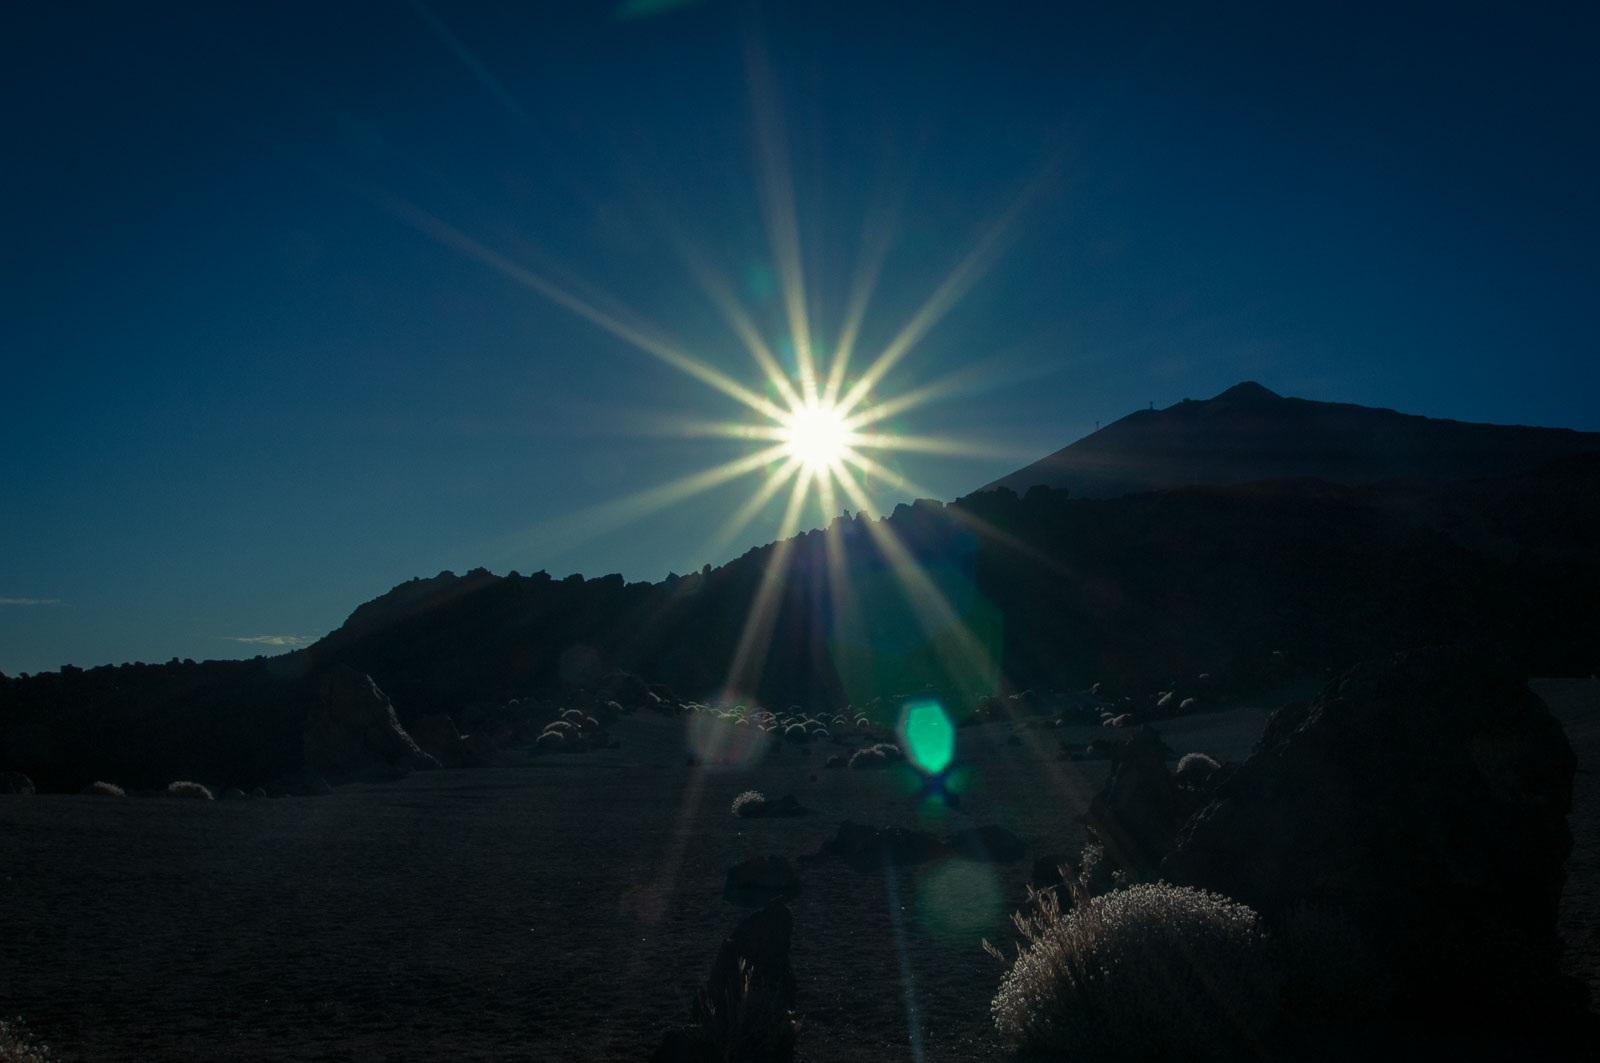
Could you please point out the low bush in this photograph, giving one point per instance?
(17, 1045)
(870, 757)
(1195, 769)
(750, 803)
(1149, 972)
(191, 790)
(104, 789)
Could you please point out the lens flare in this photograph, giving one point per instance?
(928, 735)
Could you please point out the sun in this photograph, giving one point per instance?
(817, 436)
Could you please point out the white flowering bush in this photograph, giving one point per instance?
(1149, 972)
(17, 1044)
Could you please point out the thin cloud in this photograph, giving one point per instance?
(272, 640)
(30, 601)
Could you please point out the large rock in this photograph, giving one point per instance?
(436, 735)
(1135, 814)
(744, 1012)
(14, 782)
(354, 733)
(1424, 795)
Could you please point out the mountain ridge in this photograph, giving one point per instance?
(1249, 433)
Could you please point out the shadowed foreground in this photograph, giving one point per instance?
(560, 908)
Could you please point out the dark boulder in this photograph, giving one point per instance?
(1425, 795)
(1135, 814)
(14, 782)
(354, 733)
(745, 1010)
(436, 735)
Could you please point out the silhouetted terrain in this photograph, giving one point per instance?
(1241, 582)
(1250, 433)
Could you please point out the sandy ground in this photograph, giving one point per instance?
(563, 908)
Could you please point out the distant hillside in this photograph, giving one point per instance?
(1248, 433)
(1042, 590)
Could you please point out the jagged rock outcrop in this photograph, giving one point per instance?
(1424, 795)
(353, 733)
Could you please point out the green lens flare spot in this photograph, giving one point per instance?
(928, 735)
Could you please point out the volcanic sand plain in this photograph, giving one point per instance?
(565, 907)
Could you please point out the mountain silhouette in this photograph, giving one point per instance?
(1250, 433)
(991, 593)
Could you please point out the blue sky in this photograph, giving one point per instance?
(291, 292)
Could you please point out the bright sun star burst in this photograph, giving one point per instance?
(816, 435)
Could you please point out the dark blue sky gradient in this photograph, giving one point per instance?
(244, 394)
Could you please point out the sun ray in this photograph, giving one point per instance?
(474, 66)
(636, 335)
(778, 200)
(745, 514)
(928, 604)
(717, 289)
(872, 467)
(955, 448)
(945, 296)
(750, 655)
(876, 242)
(593, 520)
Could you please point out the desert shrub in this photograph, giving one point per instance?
(837, 760)
(191, 790)
(868, 757)
(571, 714)
(890, 751)
(750, 803)
(1331, 967)
(17, 1044)
(104, 789)
(796, 732)
(1195, 768)
(1150, 972)
(560, 726)
(550, 740)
